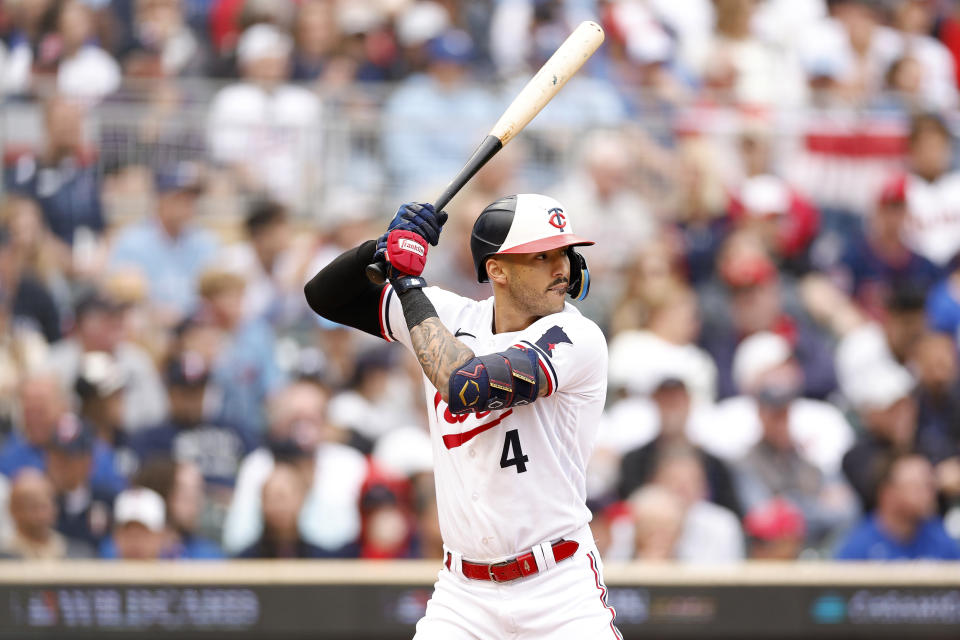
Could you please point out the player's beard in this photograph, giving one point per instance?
(534, 301)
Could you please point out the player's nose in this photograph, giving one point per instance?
(560, 265)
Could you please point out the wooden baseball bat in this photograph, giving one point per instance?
(551, 77)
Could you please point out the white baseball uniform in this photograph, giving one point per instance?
(934, 223)
(513, 481)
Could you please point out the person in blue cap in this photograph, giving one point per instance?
(84, 506)
(168, 248)
(424, 142)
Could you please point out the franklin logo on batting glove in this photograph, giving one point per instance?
(406, 252)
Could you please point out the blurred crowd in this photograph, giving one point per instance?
(771, 185)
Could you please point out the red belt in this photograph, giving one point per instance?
(520, 567)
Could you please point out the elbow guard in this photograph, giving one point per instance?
(496, 381)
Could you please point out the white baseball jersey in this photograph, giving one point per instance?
(934, 222)
(511, 479)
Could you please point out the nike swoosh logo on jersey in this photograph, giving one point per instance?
(454, 440)
(461, 332)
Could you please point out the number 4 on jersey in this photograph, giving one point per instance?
(512, 441)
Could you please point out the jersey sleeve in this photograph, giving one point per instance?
(393, 326)
(571, 352)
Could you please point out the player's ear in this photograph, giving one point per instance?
(495, 271)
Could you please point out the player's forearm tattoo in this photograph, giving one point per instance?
(439, 352)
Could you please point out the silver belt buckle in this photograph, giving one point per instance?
(493, 578)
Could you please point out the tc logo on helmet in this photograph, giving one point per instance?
(557, 219)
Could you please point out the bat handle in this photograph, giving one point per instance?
(376, 271)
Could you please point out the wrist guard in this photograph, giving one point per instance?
(402, 282)
(496, 381)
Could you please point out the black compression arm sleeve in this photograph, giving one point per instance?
(341, 292)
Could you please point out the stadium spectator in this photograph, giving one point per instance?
(42, 402)
(775, 531)
(162, 43)
(904, 525)
(877, 258)
(375, 401)
(298, 434)
(264, 129)
(245, 370)
(669, 320)
(757, 294)
(138, 530)
(182, 488)
(27, 299)
(737, 66)
(933, 191)
(914, 19)
(84, 70)
(771, 380)
(168, 249)
(934, 361)
(868, 346)
(710, 533)
(387, 519)
(83, 504)
(902, 91)
(416, 117)
(23, 353)
(316, 35)
(658, 520)
(887, 411)
(62, 176)
(270, 264)
(101, 388)
(401, 489)
(34, 513)
(784, 220)
(100, 325)
(642, 49)
(214, 446)
(853, 47)
(779, 464)
(283, 495)
(672, 400)
(654, 271)
(697, 208)
(38, 252)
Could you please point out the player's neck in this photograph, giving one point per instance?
(507, 318)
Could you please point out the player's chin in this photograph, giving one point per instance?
(555, 298)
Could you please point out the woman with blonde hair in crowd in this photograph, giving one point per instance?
(36, 250)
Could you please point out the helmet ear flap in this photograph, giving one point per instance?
(579, 276)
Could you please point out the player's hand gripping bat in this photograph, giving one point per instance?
(551, 77)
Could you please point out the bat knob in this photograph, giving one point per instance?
(376, 273)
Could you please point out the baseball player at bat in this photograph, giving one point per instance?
(515, 385)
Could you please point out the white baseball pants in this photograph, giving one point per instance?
(565, 602)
